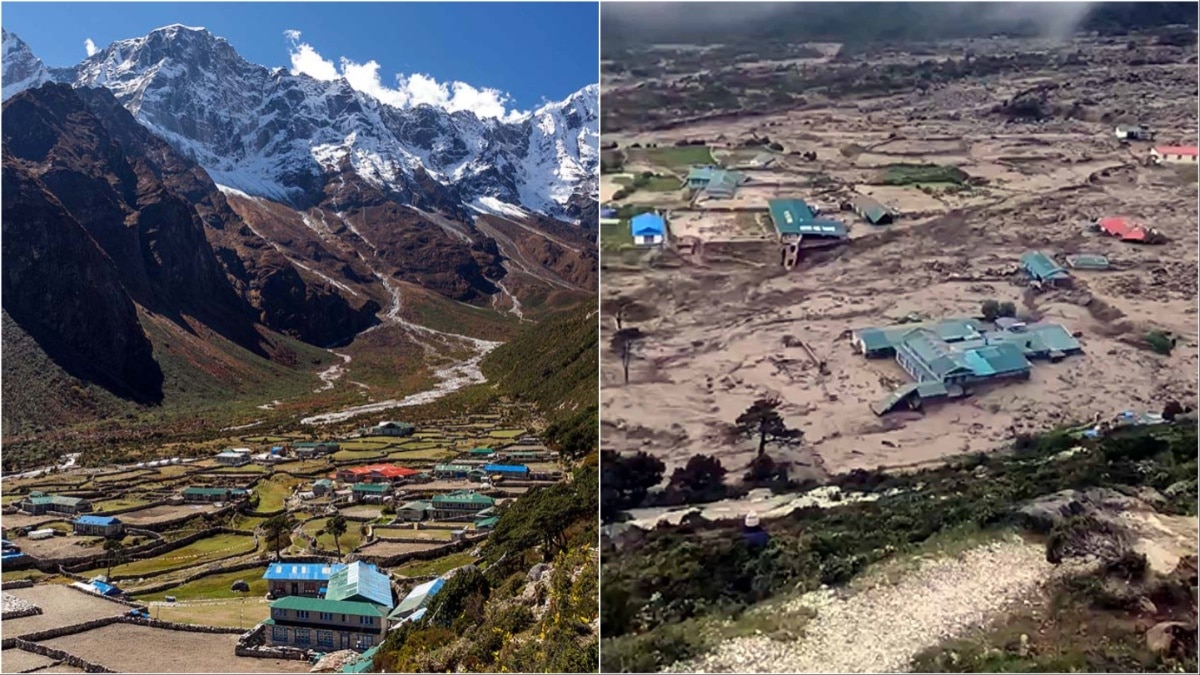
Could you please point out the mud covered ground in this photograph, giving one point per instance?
(721, 332)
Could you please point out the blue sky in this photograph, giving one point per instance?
(532, 51)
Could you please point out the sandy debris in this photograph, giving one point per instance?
(882, 628)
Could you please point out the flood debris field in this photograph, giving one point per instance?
(1024, 156)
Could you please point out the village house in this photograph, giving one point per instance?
(325, 625)
(38, 503)
(322, 487)
(310, 449)
(460, 505)
(451, 470)
(648, 229)
(1133, 132)
(413, 511)
(208, 495)
(234, 457)
(723, 184)
(1173, 154)
(481, 453)
(99, 526)
(375, 473)
(871, 210)
(369, 493)
(507, 470)
(389, 429)
(307, 579)
(699, 176)
(1042, 269)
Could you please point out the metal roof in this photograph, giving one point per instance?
(452, 467)
(353, 608)
(932, 352)
(506, 468)
(482, 451)
(723, 182)
(369, 487)
(645, 224)
(703, 172)
(1041, 266)
(360, 581)
(1088, 261)
(416, 506)
(300, 571)
(104, 521)
(794, 216)
(1000, 359)
(463, 496)
(870, 209)
(418, 597)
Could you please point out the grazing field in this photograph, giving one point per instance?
(349, 540)
(215, 586)
(158, 514)
(116, 504)
(677, 159)
(232, 613)
(409, 533)
(363, 511)
(249, 468)
(308, 467)
(437, 566)
(507, 433)
(195, 553)
(363, 455)
(274, 491)
(61, 606)
(418, 455)
(386, 548)
(144, 648)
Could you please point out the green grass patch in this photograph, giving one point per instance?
(214, 586)
(922, 174)
(248, 468)
(507, 433)
(437, 566)
(432, 454)
(115, 504)
(274, 491)
(678, 159)
(351, 539)
(359, 455)
(196, 553)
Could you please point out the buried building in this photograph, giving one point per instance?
(944, 358)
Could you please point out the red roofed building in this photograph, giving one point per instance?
(1174, 154)
(1122, 229)
(375, 473)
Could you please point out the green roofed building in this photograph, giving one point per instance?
(370, 493)
(361, 582)
(481, 452)
(1042, 268)
(460, 505)
(699, 176)
(212, 494)
(723, 184)
(322, 624)
(795, 220)
(1087, 261)
(38, 503)
(414, 511)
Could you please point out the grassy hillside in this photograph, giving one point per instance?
(553, 365)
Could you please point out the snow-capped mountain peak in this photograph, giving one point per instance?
(273, 134)
(22, 70)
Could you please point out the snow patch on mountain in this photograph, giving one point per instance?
(22, 70)
(281, 136)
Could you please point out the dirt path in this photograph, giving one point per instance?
(882, 628)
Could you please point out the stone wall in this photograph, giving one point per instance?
(51, 633)
(59, 655)
(401, 558)
(166, 586)
(253, 643)
(16, 583)
(149, 550)
(183, 627)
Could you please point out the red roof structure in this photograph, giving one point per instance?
(389, 471)
(1122, 229)
(1188, 150)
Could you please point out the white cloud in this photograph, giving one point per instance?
(89, 46)
(410, 90)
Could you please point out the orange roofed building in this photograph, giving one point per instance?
(375, 473)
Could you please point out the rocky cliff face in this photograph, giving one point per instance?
(66, 292)
(101, 217)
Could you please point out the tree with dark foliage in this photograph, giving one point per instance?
(623, 308)
(626, 480)
(762, 421)
(765, 472)
(702, 479)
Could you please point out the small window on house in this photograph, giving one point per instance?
(302, 614)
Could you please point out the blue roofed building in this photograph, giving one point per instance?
(1042, 268)
(304, 579)
(945, 358)
(648, 229)
(99, 526)
(360, 582)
